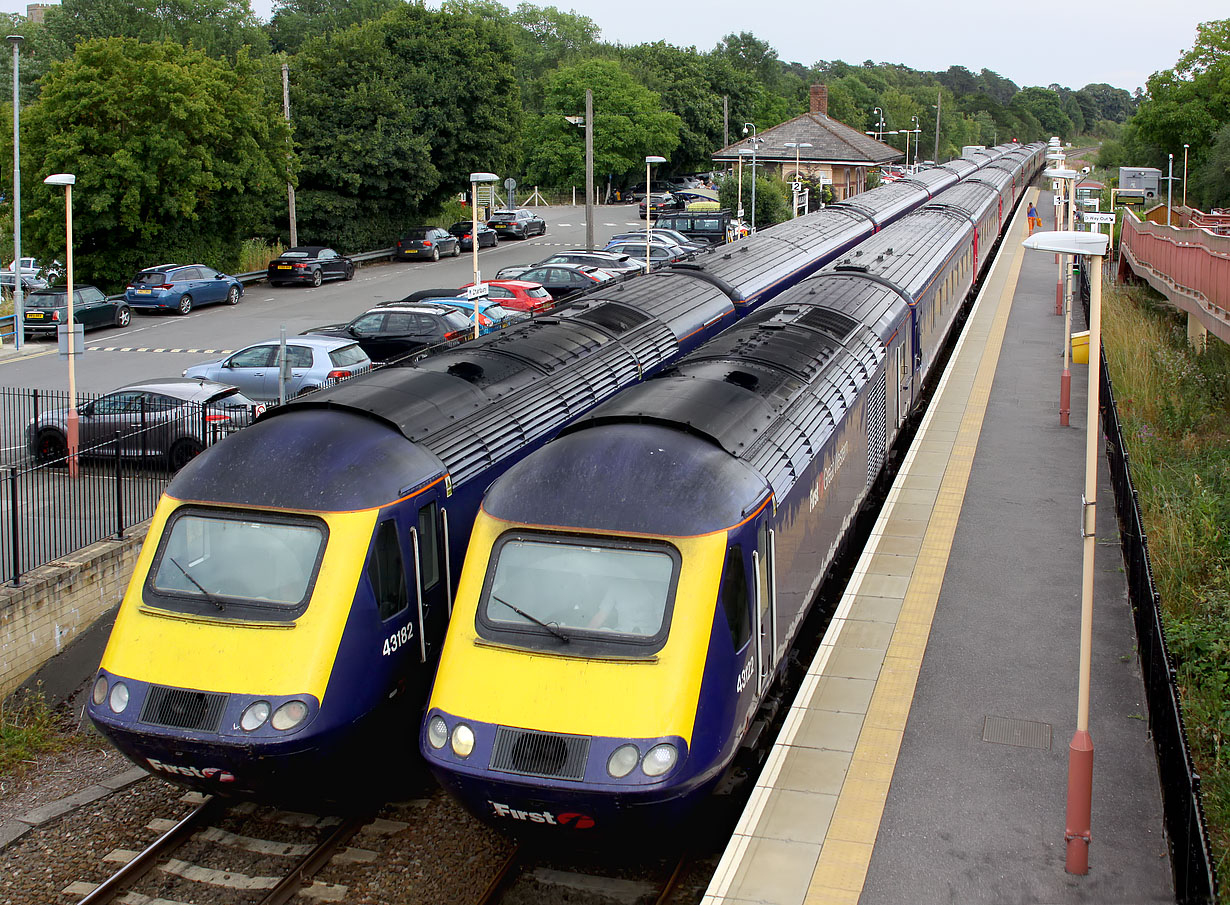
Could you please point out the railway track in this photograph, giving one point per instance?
(528, 877)
(229, 853)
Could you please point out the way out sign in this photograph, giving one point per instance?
(1098, 218)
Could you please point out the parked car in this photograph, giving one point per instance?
(659, 203)
(636, 192)
(487, 237)
(29, 266)
(312, 362)
(659, 255)
(393, 330)
(565, 280)
(171, 417)
(426, 242)
(491, 314)
(520, 223)
(517, 294)
(309, 264)
(181, 287)
(45, 309)
(700, 226)
(661, 237)
(616, 264)
(29, 282)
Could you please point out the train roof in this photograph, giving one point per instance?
(322, 461)
(905, 253)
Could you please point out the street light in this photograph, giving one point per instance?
(18, 317)
(755, 141)
(916, 131)
(1080, 749)
(880, 124)
(1169, 185)
(649, 162)
(479, 291)
(67, 180)
(1063, 299)
(743, 152)
(1184, 146)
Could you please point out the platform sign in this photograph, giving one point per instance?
(478, 291)
(1091, 217)
(796, 187)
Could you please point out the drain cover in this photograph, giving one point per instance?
(1002, 730)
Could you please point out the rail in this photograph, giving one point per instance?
(1191, 860)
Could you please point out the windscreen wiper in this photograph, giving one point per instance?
(208, 596)
(553, 629)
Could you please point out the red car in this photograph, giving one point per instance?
(519, 295)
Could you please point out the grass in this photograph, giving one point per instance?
(27, 728)
(255, 254)
(1174, 405)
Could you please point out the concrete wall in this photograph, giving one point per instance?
(57, 602)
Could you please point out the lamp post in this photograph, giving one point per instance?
(880, 123)
(1184, 146)
(1064, 302)
(68, 180)
(478, 290)
(743, 152)
(1080, 749)
(649, 162)
(1169, 184)
(916, 131)
(18, 318)
(755, 141)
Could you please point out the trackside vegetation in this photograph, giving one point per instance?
(1174, 405)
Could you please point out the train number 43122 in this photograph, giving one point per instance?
(398, 639)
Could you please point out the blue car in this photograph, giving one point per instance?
(180, 288)
(491, 315)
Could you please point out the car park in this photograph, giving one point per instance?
(181, 287)
(45, 309)
(487, 237)
(432, 242)
(170, 417)
(520, 224)
(517, 294)
(393, 330)
(311, 362)
(491, 315)
(311, 264)
(565, 280)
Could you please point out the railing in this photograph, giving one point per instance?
(1191, 861)
(1194, 261)
(8, 329)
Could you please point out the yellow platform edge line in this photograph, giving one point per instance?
(845, 857)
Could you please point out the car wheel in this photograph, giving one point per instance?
(185, 304)
(123, 316)
(456, 249)
(349, 273)
(50, 446)
(232, 296)
(435, 252)
(317, 278)
(544, 230)
(182, 452)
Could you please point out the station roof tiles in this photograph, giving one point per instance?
(831, 142)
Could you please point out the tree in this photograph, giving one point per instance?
(177, 156)
(1047, 108)
(392, 116)
(219, 27)
(296, 21)
(629, 124)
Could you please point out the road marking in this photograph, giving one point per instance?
(150, 349)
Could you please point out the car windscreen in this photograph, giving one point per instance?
(504, 215)
(236, 564)
(47, 300)
(415, 235)
(597, 589)
(348, 355)
(296, 253)
(150, 278)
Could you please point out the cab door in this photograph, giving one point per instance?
(766, 608)
(430, 573)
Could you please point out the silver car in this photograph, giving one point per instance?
(311, 362)
(172, 417)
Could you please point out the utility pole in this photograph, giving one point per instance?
(589, 169)
(725, 120)
(290, 189)
(939, 99)
(18, 316)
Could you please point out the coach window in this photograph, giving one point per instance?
(429, 553)
(386, 571)
(734, 598)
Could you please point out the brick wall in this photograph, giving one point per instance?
(56, 602)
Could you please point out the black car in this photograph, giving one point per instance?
(487, 237)
(426, 242)
(394, 330)
(564, 280)
(171, 417)
(46, 309)
(520, 223)
(661, 203)
(309, 264)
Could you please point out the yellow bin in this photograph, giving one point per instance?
(1080, 348)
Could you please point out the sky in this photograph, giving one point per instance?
(1121, 44)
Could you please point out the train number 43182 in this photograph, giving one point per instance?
(398, 639)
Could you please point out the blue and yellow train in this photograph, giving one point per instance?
(633, 588)
(285, 616)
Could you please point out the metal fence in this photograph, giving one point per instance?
(1192, 863)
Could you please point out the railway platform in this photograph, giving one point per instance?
(925, 759)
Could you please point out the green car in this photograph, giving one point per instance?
(45, 309)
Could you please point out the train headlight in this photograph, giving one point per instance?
(660, 759)
(623, 760)
(100, 690)
(119, 697)
(254, 716)
(463, 740)
(289, 715)
(437, 732)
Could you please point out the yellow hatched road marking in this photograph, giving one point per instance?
(845, 857)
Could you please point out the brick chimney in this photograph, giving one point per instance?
(820, 99)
